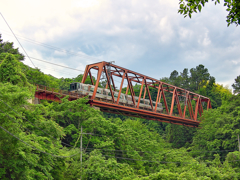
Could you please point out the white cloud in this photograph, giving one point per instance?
(145, 36)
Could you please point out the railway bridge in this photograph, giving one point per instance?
(180, 106)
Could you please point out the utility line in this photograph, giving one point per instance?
(33, 124)
(67, 67)
(56, 70)
(96, 148)
(62, 50)
(17, 39)
(162, 162)
(151, 156)
(56, 64)
(159, 151)
(55, 48)
(35, 147)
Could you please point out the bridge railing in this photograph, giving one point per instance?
(61, 93)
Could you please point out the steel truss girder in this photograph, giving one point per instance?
(146, 82)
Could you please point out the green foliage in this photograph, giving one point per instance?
(7, 47)
(199, 77)
(10, 71)
(18, 160)
(188, 7)
(219, 129)
(236, 85)
(179, 136)
(98, 167)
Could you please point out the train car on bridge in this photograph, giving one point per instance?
(105, 95)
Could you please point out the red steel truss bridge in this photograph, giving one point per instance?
(180, 106)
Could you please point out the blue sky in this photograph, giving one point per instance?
(149, 37)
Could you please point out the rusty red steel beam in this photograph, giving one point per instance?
(176, 91)
(151, 84)
(144, 113)
(147, 77)
(51, 95)
(143, 117)
(139, 76)
(140, 94)
(146, 82)
(120, 90)
(109, 83)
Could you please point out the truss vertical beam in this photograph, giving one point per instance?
(109, 84)
(85, 74)
(131, 90)
(185, 105)
(149, 95)
(140, 94)
(190, 108)
(113, 83)
(120, 90)
(91, 77)
(196, 108)
(165, 101)
(159, 92)
(127, 90)
(200, 107)
(173, 98)
(100, 69)
(178, 104)
(131, 87)
(145, 89)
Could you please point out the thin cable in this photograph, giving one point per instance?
(159, 151)
(17, 39)
(34, 124)
(56, 70)
(35, 147)
(56, 48)
(45, 45)
(164, 162)
(56, 64)
(145, 155)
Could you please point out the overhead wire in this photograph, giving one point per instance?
(62, 50)
(104, 135)
(108, 149)
(56, 70)
(56, 64)
(55, 48)
(149, 155)
(161, 151)
(17, 39)
(35, 147)
(162, 162)
(34, 124)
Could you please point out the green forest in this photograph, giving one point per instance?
(42, 141)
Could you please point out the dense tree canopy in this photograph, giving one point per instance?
(41, 141)
(188, 7)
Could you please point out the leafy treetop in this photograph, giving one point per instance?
(187, 7)
(236, 85)
(10, 71)
(7, 47)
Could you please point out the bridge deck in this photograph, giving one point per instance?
(52, 94)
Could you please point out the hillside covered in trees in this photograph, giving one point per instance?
(42, 141)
